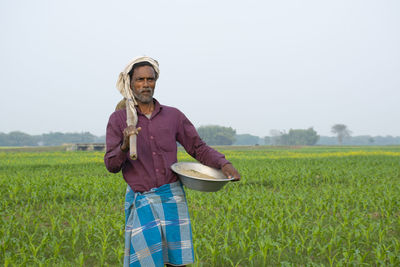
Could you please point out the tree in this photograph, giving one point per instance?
(57, 138)
(308, 137)
(295, 137)
(217, 135)
(341, 131)
(18, 138)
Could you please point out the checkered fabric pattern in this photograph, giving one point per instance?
(157, 227)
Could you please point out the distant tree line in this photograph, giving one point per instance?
(216, 135)
(219, 135)
(295, 137)
(247, 140)
(49, 139)
(360, 140)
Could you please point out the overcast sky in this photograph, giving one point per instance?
(250, 65)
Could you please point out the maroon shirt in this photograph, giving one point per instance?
(156, 147)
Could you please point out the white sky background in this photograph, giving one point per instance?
(250, 65)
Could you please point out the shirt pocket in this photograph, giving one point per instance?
(166, 139)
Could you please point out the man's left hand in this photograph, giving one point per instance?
(230, 172)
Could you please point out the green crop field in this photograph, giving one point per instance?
(315, 206)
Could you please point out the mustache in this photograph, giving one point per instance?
(145, 90)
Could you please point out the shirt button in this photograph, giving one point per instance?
(156, 170)
(151, 137)
(154, 153)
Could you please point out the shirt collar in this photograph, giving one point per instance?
(157, 108)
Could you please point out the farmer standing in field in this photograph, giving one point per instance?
(157, 223)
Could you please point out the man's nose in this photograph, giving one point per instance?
(146, 83)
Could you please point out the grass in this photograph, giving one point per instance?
(310, 206)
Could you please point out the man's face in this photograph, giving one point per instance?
(143, 82)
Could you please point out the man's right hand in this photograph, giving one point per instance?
(128, 131)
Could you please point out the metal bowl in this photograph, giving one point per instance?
(198, 183)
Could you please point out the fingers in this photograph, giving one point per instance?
(128, 131)
(237, 177)
(235, 174)
(231, 172)
(131, 130)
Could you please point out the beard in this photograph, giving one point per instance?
(144, 98)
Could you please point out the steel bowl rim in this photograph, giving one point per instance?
(173, 167)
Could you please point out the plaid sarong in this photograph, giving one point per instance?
(157, 227)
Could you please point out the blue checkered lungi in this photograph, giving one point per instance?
(157, 227)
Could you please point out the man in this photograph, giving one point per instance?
(157, 224)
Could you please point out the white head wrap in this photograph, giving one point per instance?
(124, 85)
